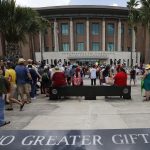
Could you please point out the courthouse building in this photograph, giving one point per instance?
(87, 34)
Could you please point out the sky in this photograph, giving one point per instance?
(46, 3)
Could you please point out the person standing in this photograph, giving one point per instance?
(46, 80)
(68, 73)
(10, 75)
(93, 75)
(146, 85)
(105, 75)
(33, 82)
(77, 77)
(3, 90)
(23, 77)
(132, 75)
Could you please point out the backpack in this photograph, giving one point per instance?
(45, 77)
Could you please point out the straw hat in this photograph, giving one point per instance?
(45, 67)
(147, 67)
(29, 60)
(21, 60)
(57, 69)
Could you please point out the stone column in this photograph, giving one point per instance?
(103, 35)
(87, 35)
(119, 36)
(71, 36)
(56, 44)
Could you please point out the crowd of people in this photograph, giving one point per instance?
(19, 81)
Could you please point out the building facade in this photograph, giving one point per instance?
(87, 34)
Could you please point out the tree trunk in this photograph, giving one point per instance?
(31, 44)
(33, 47)
(13, 51)
(147, 46)
(3, 44)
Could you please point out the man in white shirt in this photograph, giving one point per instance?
(93, 75)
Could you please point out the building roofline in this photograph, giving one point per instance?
(83, 10)
(81, 7)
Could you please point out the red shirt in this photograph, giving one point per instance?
(59, 79)
(120, 79)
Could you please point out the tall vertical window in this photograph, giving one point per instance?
(64, 29)
(130, 31)
(122, 29)
(95, 28)
(110, 46)
(80, 46)
(80, 28)
(65, 47)
(95, 46)
(122, 37)
(110, 29)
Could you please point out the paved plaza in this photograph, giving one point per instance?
(77, 113)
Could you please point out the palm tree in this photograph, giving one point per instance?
(16, 22)
(23, 22)
(6, 7)
(145, 18)
(44, 24)
(32, 26)
(133, 19)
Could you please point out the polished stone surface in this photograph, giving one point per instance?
(118, 139)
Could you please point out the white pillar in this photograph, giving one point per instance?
(87, 35)
(119, 36)
(133, 40)
(56, 44)
(103, 35)
(71, 36)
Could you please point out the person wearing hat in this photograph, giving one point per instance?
(21, 61)
(58, 78)
(30, 62)
(3, 90)
(146, 85)
(23, 78)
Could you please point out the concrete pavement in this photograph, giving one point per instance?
(77, 113)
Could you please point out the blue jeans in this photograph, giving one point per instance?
(2, 107)
(33, 90)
